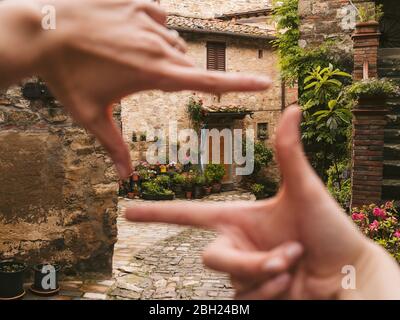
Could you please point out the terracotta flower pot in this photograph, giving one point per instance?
(131, 195)
(207, 191)
(216, 188)
(189, 195)
(135, 177)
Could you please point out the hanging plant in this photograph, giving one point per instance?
(196, 112)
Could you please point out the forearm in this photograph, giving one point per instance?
(21, 41)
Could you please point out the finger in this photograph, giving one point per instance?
(272, 289)
(292, 161)
(170, 36)
(251, 265)
(105, 130)
(213, 81)
(153, 10)
(195, 214)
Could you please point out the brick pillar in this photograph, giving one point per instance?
(368, 122)
(366, 43)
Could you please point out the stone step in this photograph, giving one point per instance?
(393, 121)
(391, 151)
(392, 136)
(389, 53)
(391, 189)
(391, 169)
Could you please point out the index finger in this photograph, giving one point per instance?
(207, 215)
(190, 78)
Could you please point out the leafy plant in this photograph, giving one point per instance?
(339, 183)
(370, 12)
(324, 83)
(155, 189)
(163, 180)
(199, 180)
(327, 117)
(372, 88)
(195, 111)
(178, 179)
(262, 156)
(381, 224)
(215, 172)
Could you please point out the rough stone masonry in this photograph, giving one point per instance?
(58, 190)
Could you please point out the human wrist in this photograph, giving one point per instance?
(377, 275)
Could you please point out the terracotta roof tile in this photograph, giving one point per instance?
(216, 26)
(224, 108)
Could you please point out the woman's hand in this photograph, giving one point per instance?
(101, 51)
(292, 246)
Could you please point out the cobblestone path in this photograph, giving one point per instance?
(157, 261)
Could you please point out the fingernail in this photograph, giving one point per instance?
(293, 250)
(282, 279)
(273, 264)
(264, 81)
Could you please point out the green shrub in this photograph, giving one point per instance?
(199, 180)
(339, 183)
(178, 179)
(153, 188)
(215, 173)
(262, 156)
(258, 190)
(372, 88)
(163, 180)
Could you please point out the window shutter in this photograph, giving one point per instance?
(216, 56)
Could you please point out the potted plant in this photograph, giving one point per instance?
(12, 280)
(258, 190)
(207, 186)
(215, 173)
(369, 16)
(372, 91)
(153, 190)
(46, 279)
(178, 181)
(135, 176)
(188, 186)
(199, 182)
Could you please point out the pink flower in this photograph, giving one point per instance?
(374, 226)
(358, 216)
(389, 205)
(397, 234)
(378, 212)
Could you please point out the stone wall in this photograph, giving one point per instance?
(58, 190)
(323, 20)
(211, 8)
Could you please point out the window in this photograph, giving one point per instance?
(260, 54)
(262, 131)
(216, 56)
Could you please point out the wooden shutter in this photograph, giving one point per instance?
(216, 56)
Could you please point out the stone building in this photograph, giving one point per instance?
(218, 39)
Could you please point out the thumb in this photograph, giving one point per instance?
(292, 161)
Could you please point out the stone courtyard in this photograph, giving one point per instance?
(156, 261)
